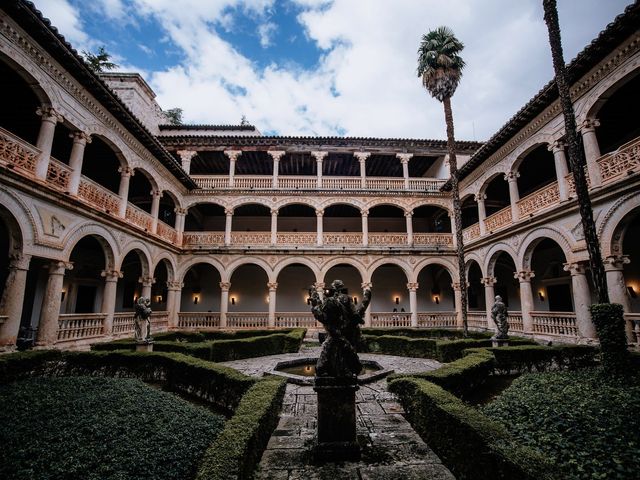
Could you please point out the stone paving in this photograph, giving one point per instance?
(391, 449)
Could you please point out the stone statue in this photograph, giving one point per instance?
(499, 315)
(341, 319)
(141, 320)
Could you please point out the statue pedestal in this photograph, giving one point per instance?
(336, 440)
(144, 347)
(499, 342)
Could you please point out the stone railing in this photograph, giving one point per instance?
(211, 182)
(198, 320)
(98, 196)
(247, 320)
(437, 319)
(498, 220)
(342, 238)
(387, 238)
(385, 184)
(425, 184)
(341, 183)
(516, 324)
(250, 238)
(471, 233)
(390, 319)
(195, 239)
(634, 320)
(539, 200)
(297, 183)
(16, 153)
(138, 217)
(253, 182)
(296, 238)
(123, 323)
(77, 326)
(441, 239)
(555, 323)
(624, 161)
(296, 320)
(167, 233)
(477, 320)
(58, 175)
(159, 321)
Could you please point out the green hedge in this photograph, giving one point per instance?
(239, 447)
(19, 365)
(187, 336)
(609, 321)
(422, 332)
(450, 350)
(470, 444)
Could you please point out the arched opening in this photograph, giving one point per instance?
(294, 282)
(431, 219)
(205, 217)
(62, 142)
(101, 164)
(201, 290)
(296, 218)
(9, 244)
(83, 285)
(551, 285)
(537, 169)
(159, 288)
(349, 275)
(387, 219)
(469, 208)
(389, 292)
(435, 292)
(630, 229)
(506, 285)
(249, 291)
(130, 285)
(251, 217)
(342, 218)
(167, 210)
(497, 193)
(618, 114)
(140, 191)
(475, 291)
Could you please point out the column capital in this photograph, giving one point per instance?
(408, 213)
(19, 261)
(175, 286)
(524, 275)
(404, 157)
(273, 286)
(512, 176)
(361, 156)
(111, 275)
(186, 155)
(49, 114)
(225, 286)
(276, 154)
(479, 197)
(319, 156)
(147, 281)
(180, 211)
(228, 211)
(364, 212)
(488, 281)
(233, 154)
(366, 285)
(615, 263)
(319, 285)
(156, 193)
(80, 137)
(319, 212)
(589, 125)
(413, 286)
(58, 268)
(556, 146)
(456, 286)
(576, 268)
(274, 212)
(126, 171)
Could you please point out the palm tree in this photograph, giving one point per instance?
(608, 320)
(440, 67)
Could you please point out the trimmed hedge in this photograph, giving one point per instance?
(470, 444)
(239, 447)
(422, 332)
(186, 336)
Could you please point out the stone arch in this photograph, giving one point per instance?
(295, 201)
(364, 274)
(493, 254)
(24, 222)
(34, 77)
(388, 203)
(297, 260)
(428, 202)
(233, 266)
(351, 202)
(169, 264)
(487, 181)
(142, 251)
(472, 257)
(195, 201)
(101, 234)
(184, 267)
(520, 153)
(443, 262)
(114, 144)
(150, 178)
(536, 236)
(241, 202)
(408, 272)
(610, 230)
(174, 197)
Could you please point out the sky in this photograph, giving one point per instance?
(330, 67)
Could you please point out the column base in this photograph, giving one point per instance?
(144, 347)
(499, 342)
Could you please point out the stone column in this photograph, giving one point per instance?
(365, 227)
(526, 298)
(482, 212)
(48, 325)
(13, 300)
(233, 157)
(319, 156)
(319, 216)
(109, 298)
(514, 194)
(273, 288)
(174, 298)
(591, 150)
(276, 155)
(413, 302)
(227, 226)
(49, 118)
(123, 192)
(409, 221)
(224, 302)
(274, 226)
(581, 298)
(362, 158)
(454, 238)
(489, 298)
(562, 171)
(156, 195)
(404, 159)
(367, 313)
(185, 157)
(181, 214)
(614, 268)
(147, 283)
(80, 140)
(457, 296)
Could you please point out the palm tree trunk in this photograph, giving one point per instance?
(575, 153)
(457, 211)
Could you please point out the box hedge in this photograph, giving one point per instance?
(422, 332)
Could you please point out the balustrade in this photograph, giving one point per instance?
(498, 220)
(16, 153)
(471, 233)
(159, 321)
(477, 320)
(253, 182)
(341, 183)
(77, 326)
(138, 217)
(555, 323)
(195, 239)
(342, 238)
(247, 320)
(387, 238)
(624, 161)
(425, 184)
(198, 320)
(385, 183)
(250, 238)
(391, 319)
(441, 239)
(539, 200)
(98, 196)
(296, 320)
(437, 319)
(297, 183)
(167, 233)
(210, 182)
(58, 174)
(123, 323)
(296, 238)
(634, 320)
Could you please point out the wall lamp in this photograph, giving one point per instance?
(397, 300)
(541, 296)
(233, 300)
(196, 298)
(355, 300)
(436, 299)
(632, 292)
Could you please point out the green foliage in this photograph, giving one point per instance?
(449, 350)
(423, 333)
(609, 322)
(439, 62)
(97, 428)
(21, 364)
(401, 346)
(584, 421)
(239, 447)
(99, 62)
(174, 116)
(470, 444)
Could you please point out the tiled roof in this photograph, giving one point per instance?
(241, 128)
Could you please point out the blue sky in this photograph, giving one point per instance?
(329, 67)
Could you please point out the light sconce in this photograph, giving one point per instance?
(632, 292)
(135, 297)
(64, 294)
(233, 300)
(541, 296)
(308, 300)
(397, 300)
(436, 299)
(196, 299)
(158, 298)
(267, 299)
(355, 300)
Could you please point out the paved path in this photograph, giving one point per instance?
(391, 449)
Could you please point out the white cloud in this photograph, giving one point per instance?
(266, 32)
(66, 19)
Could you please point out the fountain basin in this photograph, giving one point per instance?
(301, 371)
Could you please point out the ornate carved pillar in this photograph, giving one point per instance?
(514, 194)
(482, 212)
(227, 226)
(457, 297)
(274, 226)
(273, 288)
(224, 302)
(185, 157)
(13, 300)
(319, 156)
(614, 268)
(362, 158)
(276, 155)
(413, 302)
(49, 118)
(404, 159)
(367, 312)
(147, 283)
(319, 215)
(489, 298)
(562, 171)
(80, 140)
(591, 150)
(581, 298)
(365, 227)
(123, 191)
(181, 214)
(156, 195)
(526, 298)
(174, 298)
(48, 325)
(109, 298)
(409, 221)
(233, 157)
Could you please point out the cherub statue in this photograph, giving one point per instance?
(141, 320)
(499, 315)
